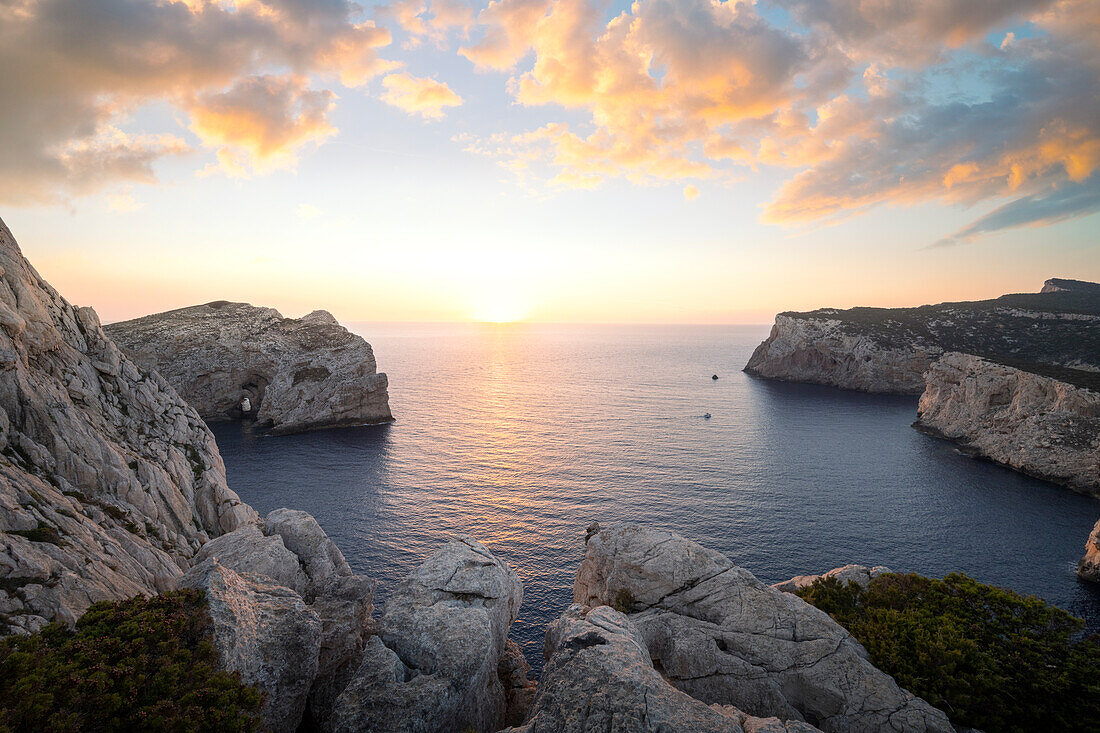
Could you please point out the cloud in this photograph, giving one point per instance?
(691, 192)
(867, 103)
(1068, 201)
(261, 123)
(435, 21)
(418, 95)
(76, 71)
(307, 212)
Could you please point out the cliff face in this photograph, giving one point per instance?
(1033, 423)
(888, 349)
(109, 482)
(233, 360)
(822, 351)
(1089, 566)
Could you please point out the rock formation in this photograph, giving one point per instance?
(1035, 424)
(109, 482)
(889, 349)
(288, 613)
(435, 662)
(861, 575)
(599, 677)
(718, 634)
(233, 360)
(1089, 566)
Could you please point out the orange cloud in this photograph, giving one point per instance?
(417, 95)
(262, 122)
(64, 101)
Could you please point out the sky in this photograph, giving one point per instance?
(662, 161)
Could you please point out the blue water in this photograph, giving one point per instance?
(522, 435)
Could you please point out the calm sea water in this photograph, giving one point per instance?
(521, 435)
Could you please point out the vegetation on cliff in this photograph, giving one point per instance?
(988, 657)
(139, 664)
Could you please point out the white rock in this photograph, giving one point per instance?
(723, 637)
(265, 632)
(861, 575)
(229, 360)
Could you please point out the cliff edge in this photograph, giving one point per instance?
(889, 349)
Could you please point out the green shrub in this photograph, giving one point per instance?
(988, 657)
(141, 664)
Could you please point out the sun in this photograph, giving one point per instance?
(501, 305)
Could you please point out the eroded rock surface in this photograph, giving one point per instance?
(720, 635)
(234, 360)
(599, 677)
(1035, 424)
(1089, 566)
(434, 664)
(861, 575)
(109, 482)
(889, 349)
(289, 556)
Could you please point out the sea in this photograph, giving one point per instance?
(521, 435)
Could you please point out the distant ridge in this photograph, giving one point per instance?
(1059, 285)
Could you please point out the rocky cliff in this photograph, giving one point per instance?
(109, 482)
(889, 349)
(1033, 423)
(233, 360)
(1089, 566)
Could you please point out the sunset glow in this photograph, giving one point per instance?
(658, 160)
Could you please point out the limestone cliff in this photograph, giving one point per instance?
(1036, 424)
(109, 482)
(1089, 566)
(233, 360)
(888, 349)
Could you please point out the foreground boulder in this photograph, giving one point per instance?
(723, 637)
(1037, 424)
(265, 632)
(861, 575)
(109, 482)
(233, 360)
(889, 349)
(284, 582)
(599, 677)
(434, 664)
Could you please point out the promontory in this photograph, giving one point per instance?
(234, 360)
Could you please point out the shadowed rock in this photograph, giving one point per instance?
(434, 665)
(233, 360)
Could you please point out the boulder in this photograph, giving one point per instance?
(720, 635)
(434, 665)
(599, 677)
(233, 360)
(861, 575)
(267, 633)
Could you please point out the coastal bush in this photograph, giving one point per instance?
(140, 664)
(988, 657)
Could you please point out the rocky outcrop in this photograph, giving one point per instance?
(289, 614)
(435, 662)
(823, 351)
(861, 575)
(718, 634)
(889, 349)
(1035, 424)
(233, 360)
(1089, 566)
(109, 482)
(599, 677)
(265, 632)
